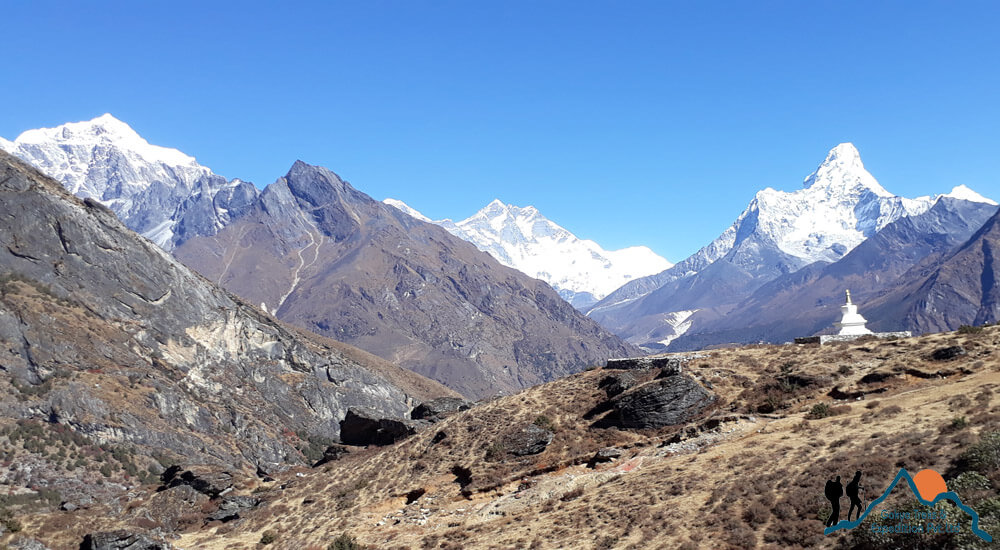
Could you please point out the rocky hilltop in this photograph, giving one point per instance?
(130, 362)
(324, 256)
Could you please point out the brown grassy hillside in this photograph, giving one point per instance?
(746, 473)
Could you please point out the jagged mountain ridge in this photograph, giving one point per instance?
(839, 207)
(118, 341)
(808, 301)
(161, 193)
(521, 237)
(325, 256)
(960, 289)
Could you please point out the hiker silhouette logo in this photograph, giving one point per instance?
(927, 486)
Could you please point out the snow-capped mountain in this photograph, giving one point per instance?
(580, 270)
(159, 192)
(840, 205)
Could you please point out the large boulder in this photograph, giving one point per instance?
(121, 540)
(531, 439)
(435, 409)
(948, 353)
(332, 453)
(619, 382)
(231, 506)
(366, 427)
(606, 454)
(207, 480)
(664, 402)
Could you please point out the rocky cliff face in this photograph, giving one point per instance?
(960, 289)
(326, 257)
(106, 337)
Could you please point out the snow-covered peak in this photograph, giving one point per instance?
(965, 193)
(843, 173)
(521, 237)
(152, 189)
(105, 130)
(104, 158)
(406, 209)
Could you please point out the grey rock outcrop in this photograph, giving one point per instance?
(231, 507)
(607, 454)
(619, 382)
(24, 543)
(529, 440)
(663, 402)
(669, 365)
(436, 409)
(204, 479)
(122, 540)
(366, 427)
(332, 453)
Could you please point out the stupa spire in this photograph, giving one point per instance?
(851, 322)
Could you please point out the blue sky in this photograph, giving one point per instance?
(626, 122)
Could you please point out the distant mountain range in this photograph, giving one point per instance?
(961, 288)
(132, 348)
(840, 206)
(315, 251)
(320, 254)
(808, 301)
(521, 237)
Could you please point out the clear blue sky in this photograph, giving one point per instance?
(627, 122)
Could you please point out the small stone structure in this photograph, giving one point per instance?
(672, 365)
(848, 337)
(852, 326)
(851, 323)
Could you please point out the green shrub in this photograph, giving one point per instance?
(984, 456)
(9, 523)
(820, 410)
(969, 329)
(545, 422)
(344, 542)
(267, 537)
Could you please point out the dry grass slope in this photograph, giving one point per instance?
(748, 473)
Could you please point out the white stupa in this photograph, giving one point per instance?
(852, 323)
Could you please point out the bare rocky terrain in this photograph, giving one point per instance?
(119, 362)
(326, 257)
